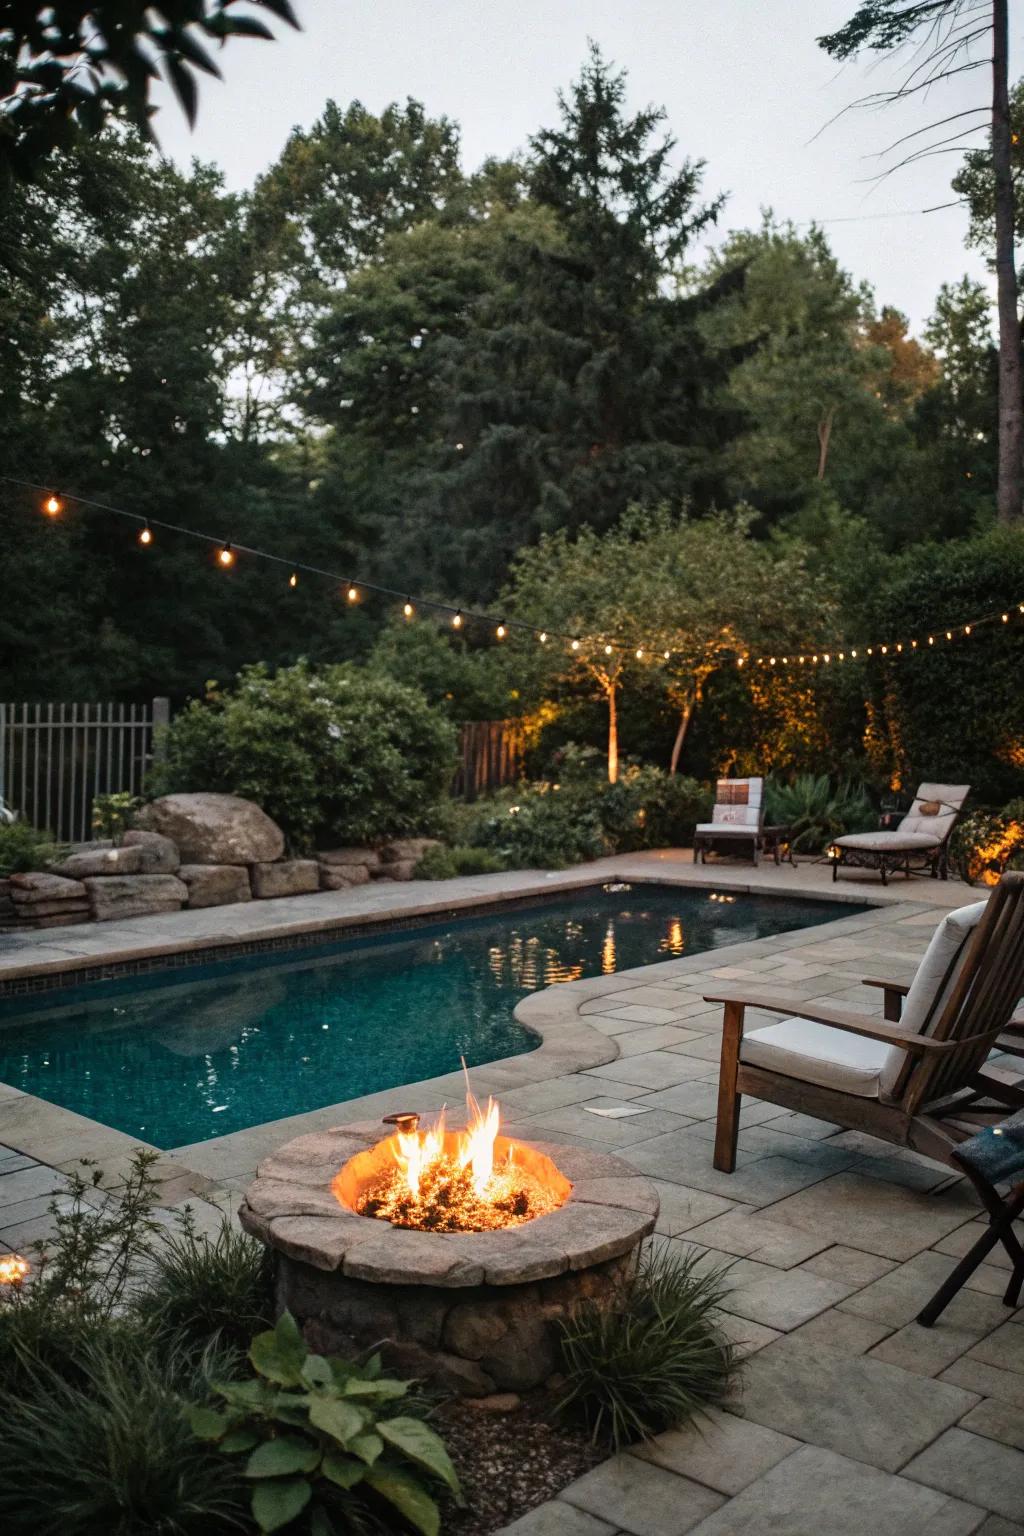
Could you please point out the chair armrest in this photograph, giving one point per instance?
(893, 993)
(901, 988)
(836, 1018)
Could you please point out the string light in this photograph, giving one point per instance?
(225, 555)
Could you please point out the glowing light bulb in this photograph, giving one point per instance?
(666, 654)
(13, 1269)
(949, 634)
(353, 594)
(607, 650)
(52, 507)
(226, 556)
(501, 631)
(931, 639)
(967, 629)
(740, 660)
(146, 536)
(543, 637)
(884, 649)
(639, 653)
(293, 579)
(854, 655)
(408, 609)
(457, 620)
(1006, 618)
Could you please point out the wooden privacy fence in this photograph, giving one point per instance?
(54, 758)
(491, 754)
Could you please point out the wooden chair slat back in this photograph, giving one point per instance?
(982, 999)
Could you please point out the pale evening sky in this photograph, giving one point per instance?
(746, 88)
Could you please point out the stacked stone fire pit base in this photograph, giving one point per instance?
(474, 1311)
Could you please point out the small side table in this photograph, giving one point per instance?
(778, 842)
(995, 1156)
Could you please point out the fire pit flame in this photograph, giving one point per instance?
(439, 1180)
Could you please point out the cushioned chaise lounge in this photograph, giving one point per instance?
(916, 1078)
(918, 845)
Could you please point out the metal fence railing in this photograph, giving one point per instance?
(54, 758)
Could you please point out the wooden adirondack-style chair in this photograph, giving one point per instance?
(916, 1078)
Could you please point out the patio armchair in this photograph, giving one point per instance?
(737, 818)
(916, 1077)
(918, 845)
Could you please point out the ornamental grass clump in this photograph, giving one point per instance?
(653, 1361)
(198, 1288)
(111, 1450)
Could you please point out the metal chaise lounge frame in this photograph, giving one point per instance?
(919, 845)
(941, 1092)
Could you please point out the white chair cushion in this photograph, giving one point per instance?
(727, 829)
(935, 979)
(949, 796)
(889, 842)
(814, 1053)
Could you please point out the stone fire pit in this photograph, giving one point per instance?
(473, 1310)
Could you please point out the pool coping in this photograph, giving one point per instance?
(568, 1042)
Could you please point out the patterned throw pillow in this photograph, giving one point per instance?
(732, 792)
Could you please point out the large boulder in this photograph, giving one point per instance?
(339, 877)
(101, 860)
(215, 829)
(349, 858)
(41, 900)
(134, 895)
(35, 887)
(290, 877)
(215, 885)
(407, 850)
(159, 855)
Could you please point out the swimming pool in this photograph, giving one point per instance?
(180, 1056)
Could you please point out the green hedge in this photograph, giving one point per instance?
(952, 712)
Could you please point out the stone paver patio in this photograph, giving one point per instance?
(849, 1419)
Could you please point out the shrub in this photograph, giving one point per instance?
(321, 1439)
(80, 1278)
(447, 863)
(112, 814)
(653, 1361)
(540, 828)
(113, 1452)
(986, 843)
(336, 754)
(22, 848)
(815, 811)
(198, 1288)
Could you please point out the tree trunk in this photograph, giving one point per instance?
(1011, 407)
(824, 438)
(686, 715)
(613, 735)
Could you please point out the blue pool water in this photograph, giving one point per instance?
(180, 1056)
